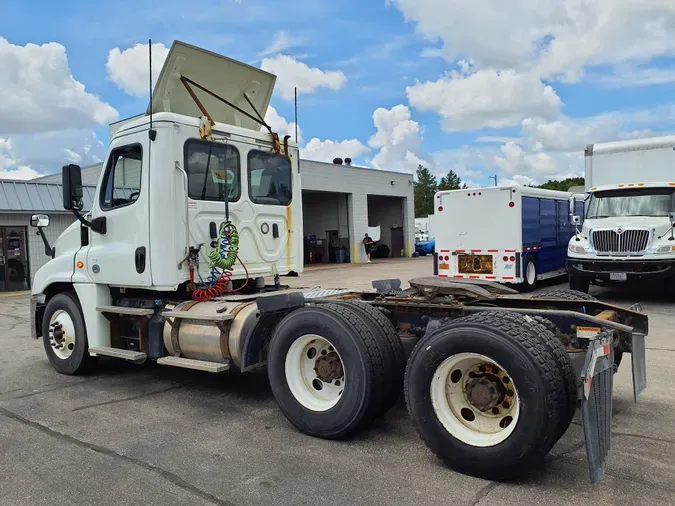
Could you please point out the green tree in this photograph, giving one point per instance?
(563, 185)
(450, 182)
(425, 186)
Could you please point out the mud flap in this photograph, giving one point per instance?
(639, 363)
(596, 404)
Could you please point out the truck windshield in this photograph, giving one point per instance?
(637, 202)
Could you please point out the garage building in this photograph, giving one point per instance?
(341, 203)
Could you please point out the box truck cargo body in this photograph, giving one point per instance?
(508, 234)
(627, 232)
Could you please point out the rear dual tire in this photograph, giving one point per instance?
(515, 359)
(337, 348)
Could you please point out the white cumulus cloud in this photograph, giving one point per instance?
(398, 139)
(39, 94)
(292, 73)
(280, 125)
(485, 98)
(554, 38)
(129, 69)
(327, 150)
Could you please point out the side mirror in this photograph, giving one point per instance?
(39, 220)
(571, 204)
(72, 187)
(671, 217)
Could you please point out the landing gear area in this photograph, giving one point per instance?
(492, 382)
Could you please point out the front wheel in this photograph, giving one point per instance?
(64, 335)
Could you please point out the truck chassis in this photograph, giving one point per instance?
(492, 380)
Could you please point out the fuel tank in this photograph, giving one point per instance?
(212, 331)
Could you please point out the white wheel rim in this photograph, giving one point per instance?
(531, 272)
(465, 405)
(315, 372)
(62, 334)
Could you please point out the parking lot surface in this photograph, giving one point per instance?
(129, 434)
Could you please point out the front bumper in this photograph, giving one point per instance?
(635, 270)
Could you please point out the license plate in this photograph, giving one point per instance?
(475, 264)
(617, 276)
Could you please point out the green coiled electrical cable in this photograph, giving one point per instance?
(225, 254)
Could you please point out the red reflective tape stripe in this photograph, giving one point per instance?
(510, 250)
(605, 349)
(490, 277)
(474, 277)
(442, 275)
(493, 251)
(445, 251)
(457, 276)
(507, 277)
(460, 250)
(476, 250)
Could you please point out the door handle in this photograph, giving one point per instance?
(213, 230)
(140, 259)
(275, 230)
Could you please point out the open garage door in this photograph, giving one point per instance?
(387, 213)
(325, 217)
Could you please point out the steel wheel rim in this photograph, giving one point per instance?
(457, 386)
(62, 334)
(314, 372)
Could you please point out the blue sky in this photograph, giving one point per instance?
(480, 88)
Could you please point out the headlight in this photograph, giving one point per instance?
(575, 248)
(665, 249)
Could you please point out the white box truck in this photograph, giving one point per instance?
(196, 206)
(510, 234)
(627, 232)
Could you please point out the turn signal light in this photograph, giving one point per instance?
(80, 264)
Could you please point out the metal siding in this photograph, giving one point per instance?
(24, 199)
(546, 258)
(531, 221)
(11, 195)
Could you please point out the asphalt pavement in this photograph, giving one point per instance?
(148, 434)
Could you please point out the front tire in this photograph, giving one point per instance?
(579, 284)
(507, 418)
(64, 335)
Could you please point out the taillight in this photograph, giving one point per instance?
(506, 259)
(440, 208)
(513, 259)
(512, 203)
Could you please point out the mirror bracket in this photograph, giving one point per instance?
(97, 225)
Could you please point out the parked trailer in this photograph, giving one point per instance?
(510, 234)
(491, 383)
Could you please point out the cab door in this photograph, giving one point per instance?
(120, 257)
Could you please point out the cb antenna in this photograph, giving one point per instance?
(151, 133)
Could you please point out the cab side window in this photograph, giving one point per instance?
(122, 181)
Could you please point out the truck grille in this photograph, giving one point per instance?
(628, 241)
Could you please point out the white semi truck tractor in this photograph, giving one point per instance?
(626, 234)
(196, 208)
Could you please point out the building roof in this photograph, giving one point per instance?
(31, 196)
(90, 176)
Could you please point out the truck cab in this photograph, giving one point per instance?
(192, 195)
(626, 235)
